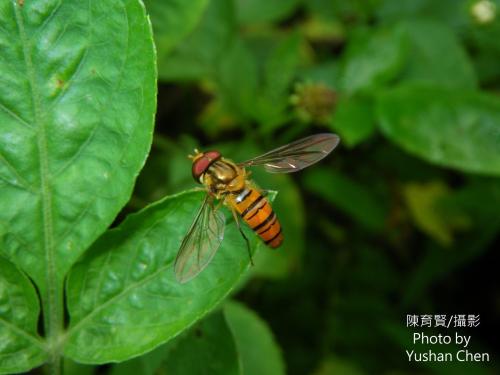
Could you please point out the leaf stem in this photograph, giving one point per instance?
(53, 307)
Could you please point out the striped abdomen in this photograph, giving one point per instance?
(256, 211)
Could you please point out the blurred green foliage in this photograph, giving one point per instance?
(403, 218)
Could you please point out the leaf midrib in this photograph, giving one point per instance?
(49, 296)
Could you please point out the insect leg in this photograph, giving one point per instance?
(237, 220)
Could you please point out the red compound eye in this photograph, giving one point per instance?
(201, 164)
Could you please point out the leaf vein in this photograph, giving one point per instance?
(24, 184)
(71, 79)
(49, 18)
(16, 117)
(78, 152)
(22, 333)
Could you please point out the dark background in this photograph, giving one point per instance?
(380, 229)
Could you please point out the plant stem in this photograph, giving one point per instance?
(53, 323)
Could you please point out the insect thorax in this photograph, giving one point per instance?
(224, 176)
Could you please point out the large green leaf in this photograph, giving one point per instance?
(123, 298)
(279, 70)
(237, 79)
(353, 120)
(452, 128)
(448, 12)
(76, 109)
(372, 59)
(172, 20)
(427, 61)
(347, 195)
(260, 354)
(253, 83)
(199, 54)
(21, 349)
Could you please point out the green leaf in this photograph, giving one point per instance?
(263, 11)
(255, 76)
(21, 349)
(448, 12)
(326, 73)
(76, 109)
(348, 196)
(77, 119)
(426, 61)
(123, 298)
(146, 364)
(208, 348)
(353, 120)
(451, 128)
(198, 55)
(237, 79)
(423, 202)
(280, 66)
(479, 200)
(279, 70)
(172, 20)
(260, 354)
(372, 59)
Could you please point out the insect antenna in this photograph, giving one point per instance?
(196, 155)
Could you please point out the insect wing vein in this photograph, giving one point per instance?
(201, 242)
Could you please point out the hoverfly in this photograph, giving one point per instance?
(229, 183)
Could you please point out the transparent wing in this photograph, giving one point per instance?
(200, 243)
(296, 155)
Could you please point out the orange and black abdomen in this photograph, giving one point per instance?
(256, 211)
